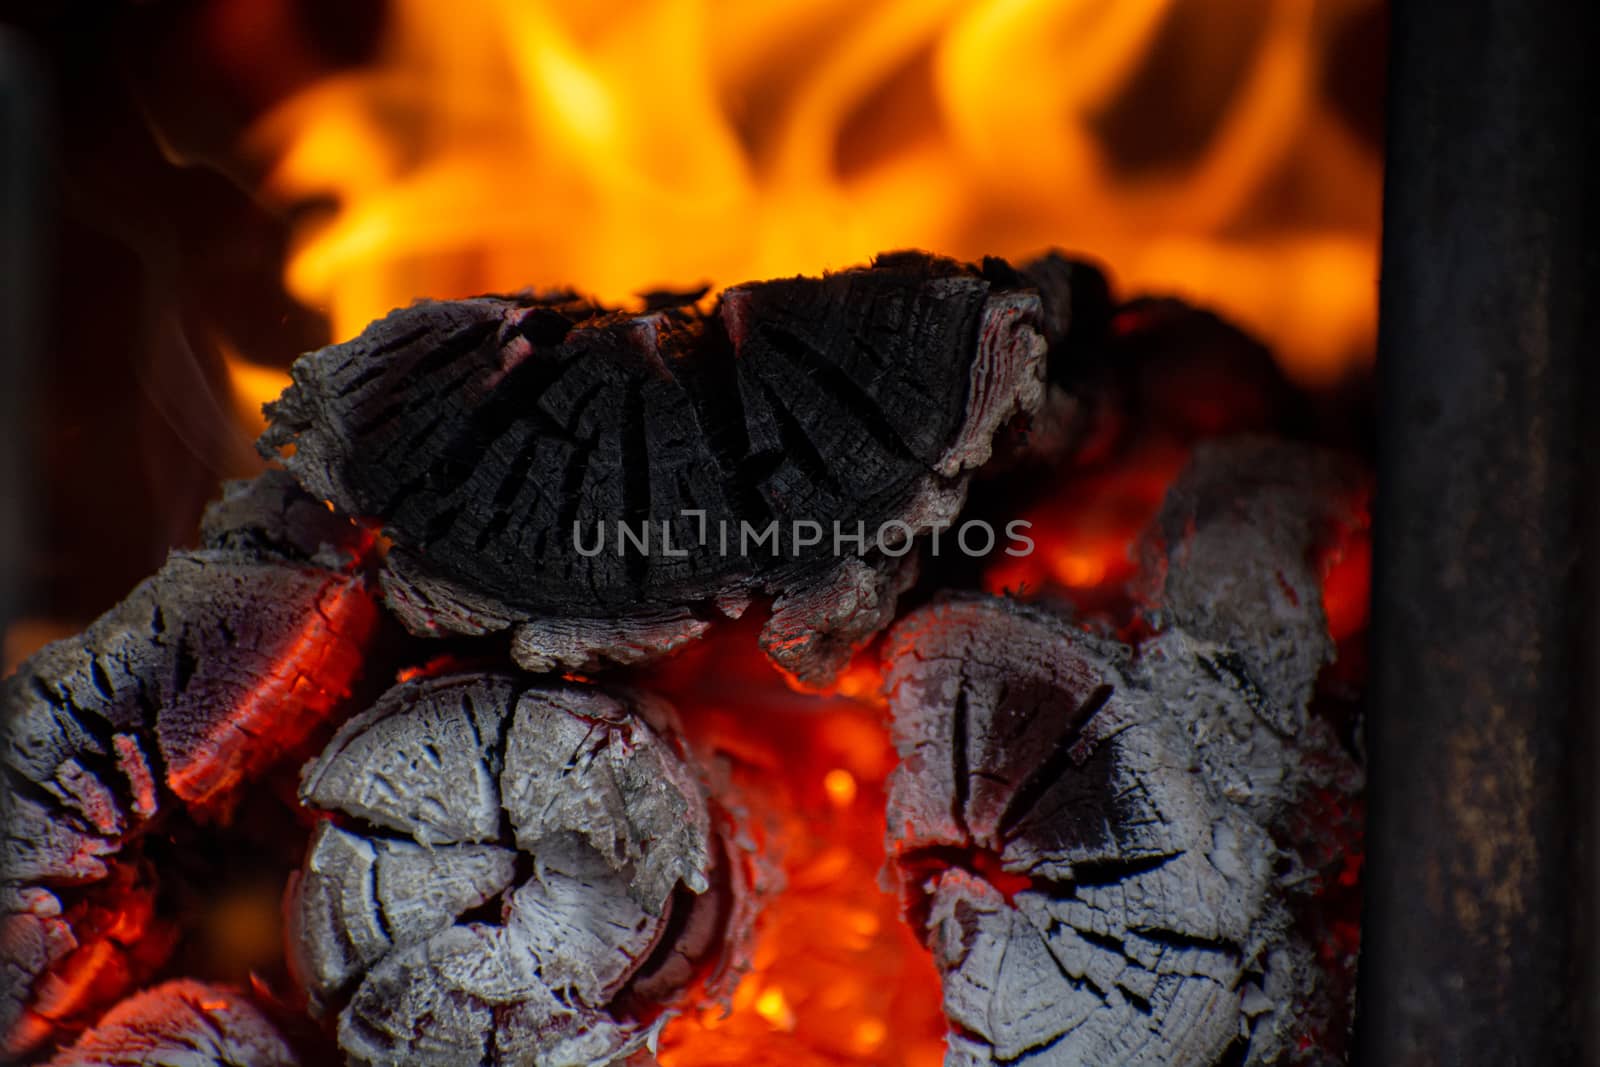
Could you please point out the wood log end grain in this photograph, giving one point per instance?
(511, 872)
(1098, 846)
(487, 436)
(1216, 707)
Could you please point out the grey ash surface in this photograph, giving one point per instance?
(1100, 844)
(514, 873)
(206, 674)
(181, 1023)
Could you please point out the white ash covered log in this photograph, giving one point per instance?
(494, 437)
(181, 1023)
(511, 873)
(1104, 846)
(207, 674)
(1233, 560)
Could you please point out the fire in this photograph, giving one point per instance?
(629, 146)
(840, 785)
(309, 677)
(118, 941)
(1087, 531)
(1347, 571)
(624, 146)
(835, 976)
(252, 386)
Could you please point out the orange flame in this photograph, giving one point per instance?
(623, 146)
(1087, 531)
(833, 976)
(252, 386)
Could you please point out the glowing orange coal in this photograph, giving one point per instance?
(835, 977)
(1086, 533)
(1347, 570)
(621, 146)
(305, 683)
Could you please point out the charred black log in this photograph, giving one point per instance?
(1101, 845)
(513, 874)
(181, 1024)
(205, 675)
(501, 441)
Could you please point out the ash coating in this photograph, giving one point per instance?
(209, 672)
(1099, 843)
(181, 1023)
(512, 873)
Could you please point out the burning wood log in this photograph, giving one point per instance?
(181, 1024)
(1114, 851)
(1100, 844)
(206, 674)
(604, 485)
(512, 874)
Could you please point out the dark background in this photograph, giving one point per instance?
(131, 249)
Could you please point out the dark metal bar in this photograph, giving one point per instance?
(1478, 943)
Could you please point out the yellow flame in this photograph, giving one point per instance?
(624, 146)
(252, 386)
